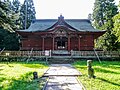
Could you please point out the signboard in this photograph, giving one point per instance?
(47, 53)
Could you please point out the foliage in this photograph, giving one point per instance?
(103, 12)
(107, 75)
(15, 7)
(18, 76)
(7, 16)
(27, 13)
(8, 59)
(9, 40)
(116, 28)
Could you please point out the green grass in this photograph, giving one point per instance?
(107, 75)
(19, 75)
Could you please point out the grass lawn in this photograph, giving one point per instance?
(107, 75)
(19, 75)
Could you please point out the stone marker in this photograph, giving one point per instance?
(90, 69)
(35, 75)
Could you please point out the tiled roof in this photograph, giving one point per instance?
(40, 25)
(80, 24)
(44, 24)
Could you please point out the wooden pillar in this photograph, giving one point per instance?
(53, 46)
(78, 43)
(43, 46)
(68, 43)
(79, 37)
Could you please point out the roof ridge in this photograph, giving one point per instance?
(57, 19)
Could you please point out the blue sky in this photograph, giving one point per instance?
(70, 9)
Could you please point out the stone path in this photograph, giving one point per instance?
(62, 77)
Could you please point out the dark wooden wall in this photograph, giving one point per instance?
(86, 43)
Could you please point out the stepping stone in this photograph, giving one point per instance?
(63, 83)
(62, 70)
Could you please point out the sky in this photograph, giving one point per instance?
(70, 9)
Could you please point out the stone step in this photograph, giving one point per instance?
(60, 61)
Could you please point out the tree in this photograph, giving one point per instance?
(9, 40)
(8, 37)
(116, 28)
(27, 13)
(16, 6)
(7, 16)
(97, 14)
(103, 12)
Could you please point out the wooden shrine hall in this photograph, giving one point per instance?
(59, 34)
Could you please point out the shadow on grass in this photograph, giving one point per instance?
(1, 65)
(2, 79)
(112, 66)
(23, 83)
(26, 82)
(1, 69)
(31, 64)
(109, 81)
(80, 63)
(105, 71)
(35, 65)
(1, 75)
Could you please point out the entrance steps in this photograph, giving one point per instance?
(60, 60)
(61, 53)
(60, 57)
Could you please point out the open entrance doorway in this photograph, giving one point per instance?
(61, 43)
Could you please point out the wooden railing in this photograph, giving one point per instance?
(99, 53)
(23, 53)
(71, 53)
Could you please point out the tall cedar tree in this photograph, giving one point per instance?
(16, 6)
(116, 28)
(27, 13)
(7, 16)
(103, 12)
(8, 37)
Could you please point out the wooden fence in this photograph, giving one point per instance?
(106, 54)
(73, 54)
(22, 53)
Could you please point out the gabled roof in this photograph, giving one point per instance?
(82, 25)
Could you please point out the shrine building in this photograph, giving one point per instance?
(59, 34)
